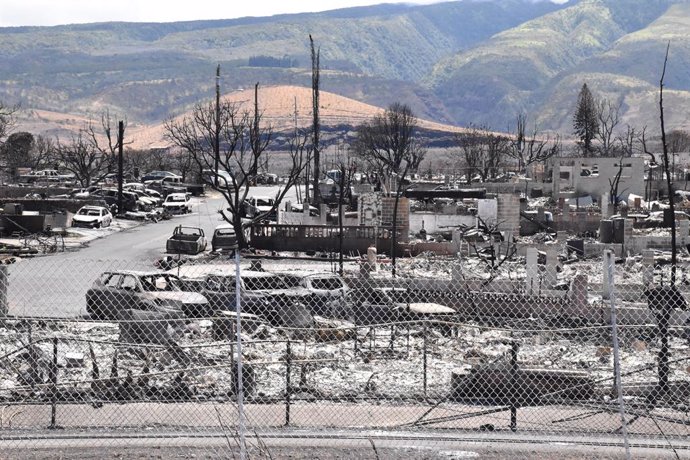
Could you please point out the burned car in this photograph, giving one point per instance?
(262, 294)
(381, 305)
(130, 201)
(178, 203)
(374, 306)
(327, 292)
(116, 291)
(92, 217)
(186, 240)
(224, 238)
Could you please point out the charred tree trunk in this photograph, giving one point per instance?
(315, 75)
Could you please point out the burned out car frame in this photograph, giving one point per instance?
(116, 291)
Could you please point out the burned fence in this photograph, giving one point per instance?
(319, 238)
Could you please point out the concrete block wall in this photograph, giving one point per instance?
(438, 222)
(403, 218)
(508, 215)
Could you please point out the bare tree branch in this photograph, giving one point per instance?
(243, 143)
(608, 116)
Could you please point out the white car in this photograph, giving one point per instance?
(92, 217)
(178, 203)
(261, 205)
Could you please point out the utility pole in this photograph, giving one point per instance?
(120, 142)
(315, 76)
(216, 145)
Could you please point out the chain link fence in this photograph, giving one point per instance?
(534, 345)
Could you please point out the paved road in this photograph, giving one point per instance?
(160, 441)
(55, 285)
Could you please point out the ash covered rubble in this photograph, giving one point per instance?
(386, 364)
(385, 361)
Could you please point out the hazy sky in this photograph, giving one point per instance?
(53, 12)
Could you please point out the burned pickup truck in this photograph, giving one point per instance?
(186, 240)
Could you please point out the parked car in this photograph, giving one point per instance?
(142, 190)
(45, 175)
(92, 217)
(83, 192)
(224, 238)
(130, 201)
(186, 240)
(260, 205)
(116, 291)
(174, 184)
(157, 175)
(178, 203)
(225, 178)
(266, 178)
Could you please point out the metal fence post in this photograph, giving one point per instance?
(288, 388)
(4, 308)
(513, 384)
(608, 257)
(424, 357)
(53, 385)
(240, 389)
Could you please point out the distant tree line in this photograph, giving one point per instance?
(270, 61)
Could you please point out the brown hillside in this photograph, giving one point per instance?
(276, 102)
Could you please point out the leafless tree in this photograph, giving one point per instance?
(666, 306)
(7, 119)
(678, 141)
(92, 153)
(652, 165)
(388, 145)
(530, 148)
(243, 142)
(614, 183)
(43, 152)
(137, 162)
(483, 151)
(626, 141)
(183, 163)
(111, 146)
(669, 183)
(83, 159)
(608, 117)
(346, 169)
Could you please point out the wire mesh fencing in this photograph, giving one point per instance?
(535, 345)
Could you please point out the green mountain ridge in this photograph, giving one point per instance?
(86, 68)
(462, 62)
